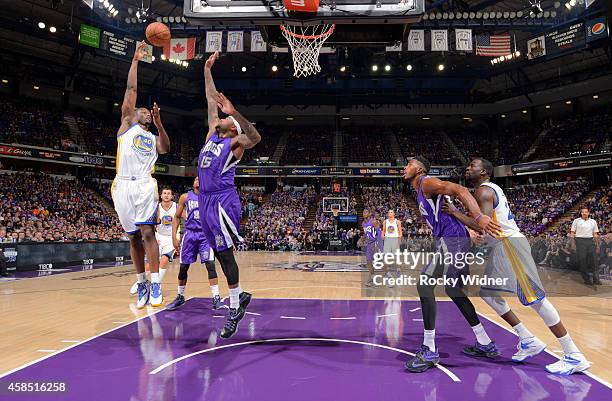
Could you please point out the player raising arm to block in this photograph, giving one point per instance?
(226, 141)
(134, 190)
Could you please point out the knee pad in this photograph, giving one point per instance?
(183, 271)
(210, 268)
(229, 266)
(497, 303)
(547, 311)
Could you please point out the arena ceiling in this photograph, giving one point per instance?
(31, 53)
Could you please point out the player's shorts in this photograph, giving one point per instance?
(391, 244)
(194, 243)
(510, 260)
(166, 248)
(135, 202)
(370, 250)
(448, 258)
(220, 218)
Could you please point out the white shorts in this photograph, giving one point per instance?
(135, 202)
(165, 246)
(510, 260)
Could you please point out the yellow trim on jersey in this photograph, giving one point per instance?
(118, 154)
(517, 267)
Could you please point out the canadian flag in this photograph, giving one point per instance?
(180, 49)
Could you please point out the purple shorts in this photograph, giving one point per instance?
(220, 218)
(193, 244)
(370, 250)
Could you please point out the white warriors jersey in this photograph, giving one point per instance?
(136, 153)
(391, 229)
(502, 213)
(165, 219)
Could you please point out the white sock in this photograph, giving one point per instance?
(568, 344)
(181, 290)
(481, 334)
(215, 290)
(141, 277)
(239, 289)
(234, 297)
(429, 339)
(155, 278)
(522, 331)
(162, 273)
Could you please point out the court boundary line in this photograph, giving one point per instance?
(28, 364)
(586, 373)
(444, 369)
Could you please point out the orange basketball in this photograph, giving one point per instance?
(158, 34)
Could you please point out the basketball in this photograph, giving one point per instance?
(158, 34)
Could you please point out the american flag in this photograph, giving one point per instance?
(493, 45)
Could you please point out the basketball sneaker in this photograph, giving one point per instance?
(235, 315)
(134, 289)
(177, 303)
(570, 363)
(216, 302)
(490, 350)
(157, 298)
(527, 348)
(245, 299)
(143, 295)
(423, 360)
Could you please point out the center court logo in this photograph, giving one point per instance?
(318, 266)
(142, 143)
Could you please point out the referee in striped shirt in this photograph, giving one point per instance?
(585, 239)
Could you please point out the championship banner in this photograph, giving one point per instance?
(235, 41)
(416, 40)
(564, 39)
(596, 29)
(257, 42)
(213, 41)
(463, 40)
(439, 40)
(396, 48)
(536, 47)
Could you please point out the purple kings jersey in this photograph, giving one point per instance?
(216, 165)
(372, 234)
(441, 224)
(192, 222)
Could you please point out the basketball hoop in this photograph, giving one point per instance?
(306, 43)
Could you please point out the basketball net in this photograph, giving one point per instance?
(305, 41)
(335, 211)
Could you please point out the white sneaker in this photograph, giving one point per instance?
(570, 363)
(528, 347)
(156, 298)
(144, 293)
(134, 289)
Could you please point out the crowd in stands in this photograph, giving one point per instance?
(578, 135)
(308, 147)
(42, 208)
(369, 146)
(277, 224)
(427, 143)
(537, 206)
(33, 122)
(379, 200)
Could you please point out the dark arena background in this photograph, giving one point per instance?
(340, 112)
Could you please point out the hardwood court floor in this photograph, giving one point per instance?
(47, 314)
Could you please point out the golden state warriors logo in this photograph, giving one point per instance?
(391, 229)
(142, 143)
(166, 221)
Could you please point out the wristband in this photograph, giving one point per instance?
(477, 217)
